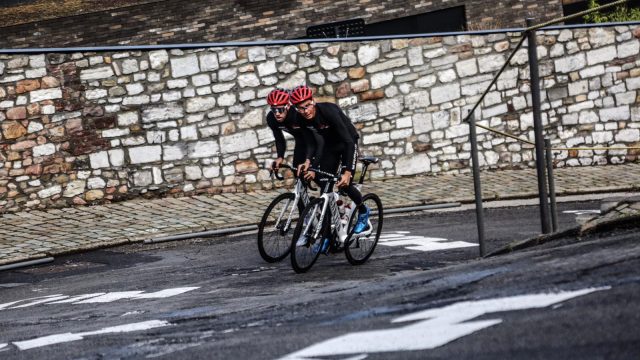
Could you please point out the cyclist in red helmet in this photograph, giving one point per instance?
(280, 120)
(337, 143)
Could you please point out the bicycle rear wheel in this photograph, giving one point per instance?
(359, 247)
(305, 245)
(274, 236)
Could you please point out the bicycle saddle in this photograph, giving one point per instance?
(367, 160)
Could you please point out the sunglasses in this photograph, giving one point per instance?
(301, 108)
(278, 110)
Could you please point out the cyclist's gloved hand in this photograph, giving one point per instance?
(302, 168)
(275, 166)
(310, 175)
(345, 180)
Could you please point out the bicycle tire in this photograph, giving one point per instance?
(275, 246)
(358, 249)
(304, 256)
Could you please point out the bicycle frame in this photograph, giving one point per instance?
(300, 192)
(330, 197)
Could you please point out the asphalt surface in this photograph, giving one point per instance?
(216, 298)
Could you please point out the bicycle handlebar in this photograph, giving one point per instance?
(280, 177)
(330, 175)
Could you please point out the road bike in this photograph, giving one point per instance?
(280, 218)
(323, 216)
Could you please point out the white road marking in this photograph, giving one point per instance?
(165, 293)
(420, 243)
(2, 346)
(581, 212)
(36, 302)
(75, 298)
(96, 297)
(6, 305)
(66, 337)
(434, 327)
(110, 297)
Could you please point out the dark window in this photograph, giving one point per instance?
(576, 7)
(451, 19)
(340, 29)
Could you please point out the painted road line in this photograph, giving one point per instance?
(581, 212)
(94, 298)
(41, 301)
(7, 305)
(420, 243)
(434, 327)
(2, 346)
(67, 337)
(75, 298)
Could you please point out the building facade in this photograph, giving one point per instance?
(198, 21)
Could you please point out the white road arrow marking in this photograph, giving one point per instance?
(95, 297)
(420, 243)
(66, 337)
(435, 327)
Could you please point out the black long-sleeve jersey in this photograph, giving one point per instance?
(337, 133)
(293, 125)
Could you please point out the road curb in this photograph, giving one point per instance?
(578, 231)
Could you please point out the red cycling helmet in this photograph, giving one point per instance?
(278, 97)
(300, 94)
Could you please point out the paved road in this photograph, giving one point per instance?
(215, 298)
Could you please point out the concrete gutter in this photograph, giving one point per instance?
(26, 263)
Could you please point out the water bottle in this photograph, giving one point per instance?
(341, 208)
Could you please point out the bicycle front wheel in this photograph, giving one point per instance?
(305, 245)
(359, 247)
(276, 227)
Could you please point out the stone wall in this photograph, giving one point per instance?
(93, 127)
(198, 21)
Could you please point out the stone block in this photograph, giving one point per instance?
(413, 164)
(158, 59)
(467, 67)
(391, 106)
(620, 113)
(145, 154)
(490, 63)
(329, 62)
(601, 55)
(628, 49)
(390, 64)
(96, 73)
(446, 93)
(44, 150)
(317, 78)
(238, 142)
(159, 113)
(367, 54)
(16, 113)
(184, 66)
(257, 54)
(248, 80)
(380, 80)
(570, 63)
(45, 94)
(417, 100)
(628, 135)
(375, 138)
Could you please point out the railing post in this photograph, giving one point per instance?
(552, 186)
(537, 127)
(476, 182)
